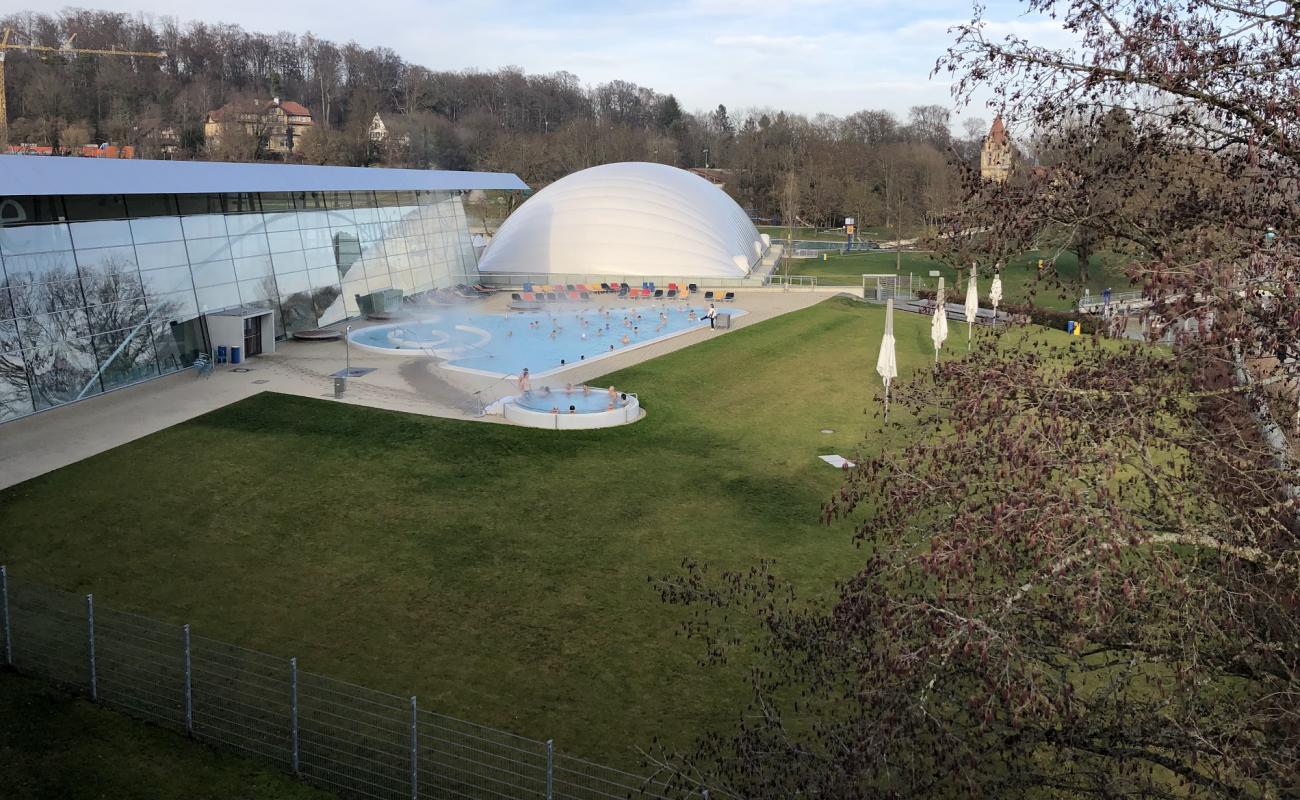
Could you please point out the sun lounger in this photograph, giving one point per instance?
(528, 287)
(604, 287)
(623, 291)
(692, 288)
(729, 297)
(573, 295)
(659, 294)
(585, 295)
(708, 295)
(552, 297)
(515, 296)
(672, 294)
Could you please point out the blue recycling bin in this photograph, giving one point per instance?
(235, 353)
(221, 354)
(1069, 326)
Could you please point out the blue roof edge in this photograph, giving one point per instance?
(70, 175)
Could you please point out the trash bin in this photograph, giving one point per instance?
(1069, 326)
(221, 354)
(235, 353)
(723, 321)
(340, 386)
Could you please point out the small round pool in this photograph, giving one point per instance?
(572, 410)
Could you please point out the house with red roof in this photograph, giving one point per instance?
(278, 125)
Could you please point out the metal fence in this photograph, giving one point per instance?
(347, 739)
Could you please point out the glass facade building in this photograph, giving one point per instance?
(98, 291)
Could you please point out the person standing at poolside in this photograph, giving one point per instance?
(525, 382)
(713, 316)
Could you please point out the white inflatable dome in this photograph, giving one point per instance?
(629, 219)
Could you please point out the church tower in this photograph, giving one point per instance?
(995, 158)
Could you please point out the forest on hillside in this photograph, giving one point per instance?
(871, 164)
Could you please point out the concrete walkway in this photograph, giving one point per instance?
(52, 439)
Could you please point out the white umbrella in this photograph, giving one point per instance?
(995, 292)
(972, 304)
(939, 325)
(887, 363)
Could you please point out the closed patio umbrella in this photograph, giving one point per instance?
(972, 304)
(887, 362)
(995, 293)
(939, 324)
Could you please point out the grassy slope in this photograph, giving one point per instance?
(499, 573)
(1019, 278)
(111, 756)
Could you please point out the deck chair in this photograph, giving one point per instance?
(708, 295)
(672, 294)
(692, 288)
(604, 287)
(585, 295)
(623, 290)
(729, 297)
(528, 287)
(515, 296)
(659, 294)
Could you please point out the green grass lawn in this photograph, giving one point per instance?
(55, 745)
(1020, 281)
(499, 573)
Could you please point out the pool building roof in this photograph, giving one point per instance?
(53, 175)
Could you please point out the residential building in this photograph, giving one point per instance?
(277, 125)
(996, 156)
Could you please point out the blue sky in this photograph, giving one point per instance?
(807, 56)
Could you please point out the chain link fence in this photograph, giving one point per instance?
(347, 739)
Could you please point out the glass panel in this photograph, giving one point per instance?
(19, 210)
(298, 310)
(15, 393)
(243, 203)
(106, 258)
(41, 329)
(164, 254)
(208, 249)
(204, 226)
(318, 237)
(288, 262)
(281, 221)
(200, 204)
(252, 267)
(309, 200)
(117, 316)
(42, 298)
(9, 336)
(62, 371)
(284, 241)
(40, 268)
(250, 244)
(6, 305)
(177, 344)
(151, 205)
(109, 233)
(34, 239)
(156, 229)
(167, 281)
(244, 224)
(338, 200)
(95, 206)
(111, 285)
(320, 258)
(257, 291)
(292, 283)
(350, 291)
(215, 298)
(177, 307)
(276, 201)
(212, 273)
(125, 356)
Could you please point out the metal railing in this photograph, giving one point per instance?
(1098, 302)
(793, 281)
(347, 739)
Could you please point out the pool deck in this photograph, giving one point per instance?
(42, 442)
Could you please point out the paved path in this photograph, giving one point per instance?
(42, 442)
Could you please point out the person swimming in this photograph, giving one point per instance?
(586, 390)
(625, 340)
(555, 409)
(568, 388)
(546, 390)
(573, 410)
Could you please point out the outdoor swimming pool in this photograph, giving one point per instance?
(544, 341)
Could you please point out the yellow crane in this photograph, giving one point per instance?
(64, 49)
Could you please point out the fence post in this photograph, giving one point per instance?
(415, 753)
(550, 769)
(90, 642)
(189, 685)
(293, 712)
(4, 616)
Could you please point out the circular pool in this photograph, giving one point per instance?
(572, 410)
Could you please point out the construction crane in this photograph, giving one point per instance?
(64, 49)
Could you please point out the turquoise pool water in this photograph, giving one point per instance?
(543, 341)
